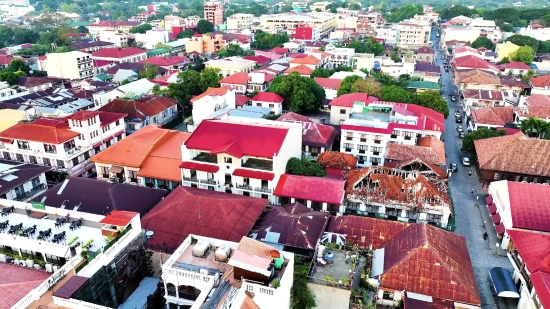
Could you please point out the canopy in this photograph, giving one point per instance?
(503, 283)
(116, 169)
(492, 209)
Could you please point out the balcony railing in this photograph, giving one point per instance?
(375, 153)
(30, 193)
(362, 151)
(245, 187)
(254, 189)
(208, 181)
(363, 140)
(190, 179)
(408, 138)
(262, 189)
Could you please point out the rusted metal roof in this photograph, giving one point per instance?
(70, 287)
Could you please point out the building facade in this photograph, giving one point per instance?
(213, 12)
(72, 65)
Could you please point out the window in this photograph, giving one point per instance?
(363, 138)
(271, 105)
(496, 176)
(6, 155)
(353, 206)
(376, 150)
(348, 147)
(395, 134)
(342, 111)
(86, 155)
(349, 136)
(50, 148)
(69, 145)
(105, 128)
(117, 122)
(119, 138)
(362, 148)
(75, 161)
(19, 157)
(97, 149)
(228, 160)
(434, 218)
(23, 145)
(32, 159)
(46, 161)
(60, 164)
(133, 176)
(258, 104)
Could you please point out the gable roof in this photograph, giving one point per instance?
(515, 65)
(38, 133)
(541, 81)
(292, 225)
(476, 76)
(428, 260)
(317, 189)
(240, 78)
(201, 212)
(118, 52)
(425, 50)
(429, 149)
(310, 59)
(269, 97)
(300, 69)
(470, 61)
(16, 282)
(259, 59)
(23, 171)
(347, 100)
(237, 139)
(138, 110)
(313, 134)
(528, 205)
(538, 100)
(515, 153)
(541, 283)
(427, 67)
(100, 197)
(164, 61)
(210, 91)
(134, 66)
(328, 83)
(533, 247)
(493, 115)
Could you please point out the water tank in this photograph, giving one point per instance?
(29, 263)
(176, 30)
(200, 248)
(3, 258)
(320, 250)
(223, 252)
(49, 268)
(22, 263)
(55, 268)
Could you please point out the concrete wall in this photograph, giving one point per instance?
(327, 297)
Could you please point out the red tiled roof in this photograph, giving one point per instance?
(541, 283)
(515, 65)
(5, 60)
(529, 206)
(313, 134)
(493, 115)
(259, 59)
(429, 149)
(16, 282)
(83, 115)
(317, 189)
(163, 61)
(516, 154)
(201, 212)
(38, 133)
(337, 160)
(240, 78)
(237, 139)
(466, 49)
(268, 97)
(301, 69)
(113, 23)
(474, 62)
(119, 217)
(280, 50)
(364, 231)
(538, 100)
(241, 100)
(430, 261)
(52, 122)
(311, 60)
(328, 83)
(533, 247)
(210, 91)
(542, 81)
(347, 100)
(70, 287)
(199, 166)
(141, 108)
(243, 172)
(118, 52)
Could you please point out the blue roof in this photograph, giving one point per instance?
(534, 66)
(503, 283)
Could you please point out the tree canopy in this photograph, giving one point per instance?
(149, 71)
(483, 41)
(204, 26)
(432, 99)
(367, 85)
(209, 77)
(405, 12)
(346, 85)
(141, 28)
(186, 34)
(369, 45)
(535, 127)
(234, 50)
(482, 133)
(523, 40)
(300, 93)
(523, 54)
(395, 94)
(305, 167)
(264, 40)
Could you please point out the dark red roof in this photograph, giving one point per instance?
(52, 122)
(240, 78)
(119, 217)
(541, 283)
(280, 50)
(113, 23)
(529, 206)
(253, 174)
(237, 139)
(311, 188)
(70, 287)
(347, 100)
(474, 62)
(295, 224)
(5, 60)
(259, 59)
(328, 83)
(163, 61)
(515, 65)
(241, 100)
(106, 118)
(17, 282)
(200, 166)
(118, 52)
(201, 212)
(428, 260)
(313, 134)
(268, 97)
(425, 50)
(83, 115)
(533, 247)
(141, 108)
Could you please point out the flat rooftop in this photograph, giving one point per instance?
(371, 116)
(337, 269)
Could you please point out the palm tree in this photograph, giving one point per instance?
(529, 126)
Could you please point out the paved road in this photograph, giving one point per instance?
(469, 218)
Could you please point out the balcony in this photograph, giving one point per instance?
(349, 138)
(30, 193)
(362, 151)
(375, 153)
(244, 187)
(266, 165)
(407, 138)
(254, 189)
(205, 157)
(363, 140)
(208, 181)
(191, 179)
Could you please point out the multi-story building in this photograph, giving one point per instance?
(239, 21)
(72, 65)
(65, 144)
(231, 65)
(21, 181)
(119, 26)
(118, 55)
(213, 12)
(289, 22)
(10, 11)
(92, 46)
(206, 43)
(191, 274)
(319, 6)
(340, 56)
(307, 33)
(118, 39)
(152, 38)
(362, 61)
(248, 82)
(368, 21)
(369, 128)
(236, 157)
(387, 33)
(210, 101)
(270, 100)
(395, 69)
(412, 35)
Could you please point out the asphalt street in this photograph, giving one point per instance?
(471, 221)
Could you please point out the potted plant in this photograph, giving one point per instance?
(329, 280)
(275, 283)
(346, 281)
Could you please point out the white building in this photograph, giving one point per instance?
(21, 181)
(118, 55)
(65, 144)
(270, 100)
(191, 276)
(394, 69)
(152, 38)
(129, 91)
(413, 34)
(236, 157)
(240, 21)
(212, 100)
(7, 92)
(119, 39)
(231, 65)
(371, 126)
(340, 56)
(10, 11)
(74, 65)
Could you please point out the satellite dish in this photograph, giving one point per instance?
(275, 254)
(149, 234)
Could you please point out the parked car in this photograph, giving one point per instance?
(453, 167)
(453, 98)
(458, 114)
(459, 129)
(466, 161)
(461, 135)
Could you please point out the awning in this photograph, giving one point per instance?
(6, 140)
(70, 287)
(500, 229)
(199, 166)
(503, 283)
(119, 133)
(489, 199)
(116, 169)
(107, 139)
(97, 145)
(253, 174)
(492, 209)
(496, 218)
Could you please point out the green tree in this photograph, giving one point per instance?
(124, 82)
(204, 26)
(545, 20)
(300, 295)
(522, 40)
(404, 12)
(535, 127)
(321, 73)
(368, 85)
(141, 28)
(456, 10)
(432, 99)
(232, 50)
(22, 36)
(264, 40)
(346, 85)
(186, 86)
(523, 54)
(6, 36)
(305, 167)
(209, 77)
(82, 29)
(10, 77)
(149, 71)
(395, 94)
(18, 65)
(469, 138)
(483, 41)
(300, 93)
(186, 34)
(71, 8)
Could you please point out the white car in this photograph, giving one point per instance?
(466, 161)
